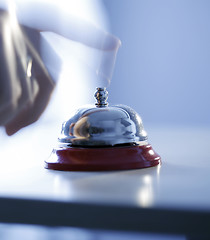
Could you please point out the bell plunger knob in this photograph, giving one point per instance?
(101, 96)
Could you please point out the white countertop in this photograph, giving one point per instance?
(177, 188)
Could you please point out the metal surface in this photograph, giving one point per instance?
(103, 125)
(101, 96)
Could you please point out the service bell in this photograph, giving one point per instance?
(102, 138)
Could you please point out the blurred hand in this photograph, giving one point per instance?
(25, 84)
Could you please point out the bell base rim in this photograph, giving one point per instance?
(102, 159)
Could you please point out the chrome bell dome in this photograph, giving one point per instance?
(103, 126)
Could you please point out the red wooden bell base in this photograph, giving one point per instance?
(102, 159)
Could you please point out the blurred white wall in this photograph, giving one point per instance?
(163, 66)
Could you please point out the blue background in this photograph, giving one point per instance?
(163, 66)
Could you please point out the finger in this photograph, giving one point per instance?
(44, 53)
(42, 85)
(23, 107)
(46, 16)
(16, 85)
(10, 89)
(31, 113)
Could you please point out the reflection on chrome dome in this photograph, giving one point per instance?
(103, 125)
